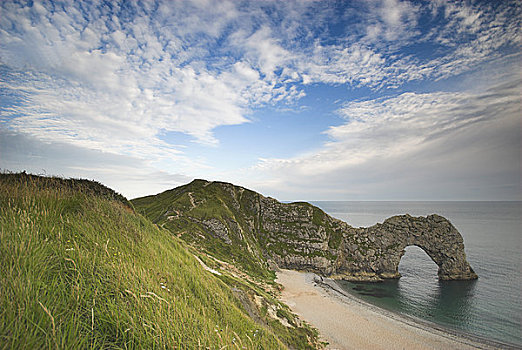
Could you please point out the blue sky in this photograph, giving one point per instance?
(300, 100)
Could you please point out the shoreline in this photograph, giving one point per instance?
(475, 340)
(347, 322)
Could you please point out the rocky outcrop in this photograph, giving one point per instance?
(301, 236)
(217, 229)
(377, 250)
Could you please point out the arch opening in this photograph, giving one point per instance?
(415, 263)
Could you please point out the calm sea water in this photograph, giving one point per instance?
(490, 307)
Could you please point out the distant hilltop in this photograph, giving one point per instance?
(261, 234)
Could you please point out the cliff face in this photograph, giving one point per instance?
(245, 227)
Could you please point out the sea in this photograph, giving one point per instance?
(488, 308)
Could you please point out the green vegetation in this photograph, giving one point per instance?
(80, 269)
(184, 209)
(318, 216)
(336, 238)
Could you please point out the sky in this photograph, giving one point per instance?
(298, 100)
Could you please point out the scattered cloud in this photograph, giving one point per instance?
(387, 47)
(414, 143)
(115, 83)
(116, 77)
(391, 21)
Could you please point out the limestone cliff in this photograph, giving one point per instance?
(254, 231)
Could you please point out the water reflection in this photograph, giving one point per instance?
(455, 301)
(450, 302)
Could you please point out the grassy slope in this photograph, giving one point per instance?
(81, 270)
(211, 201)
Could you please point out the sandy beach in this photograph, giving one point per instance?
(347, 323)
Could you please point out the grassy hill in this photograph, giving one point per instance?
(247, 229)
(212, 216)
(81, 269)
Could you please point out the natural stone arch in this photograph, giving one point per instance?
(375, 252)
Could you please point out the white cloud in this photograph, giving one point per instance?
(115, 89)
(438, 145)
(117, 83)
(356, 65)
(268, 54)
(391, 21)
(472, 35)
(377, 52)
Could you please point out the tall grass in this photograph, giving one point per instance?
(212, 202)
(80, 270)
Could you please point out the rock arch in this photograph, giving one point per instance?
(383, 247)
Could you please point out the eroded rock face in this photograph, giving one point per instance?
(377, 250)
(301, 236)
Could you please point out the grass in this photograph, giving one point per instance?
(211, 202)
(80, 269)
